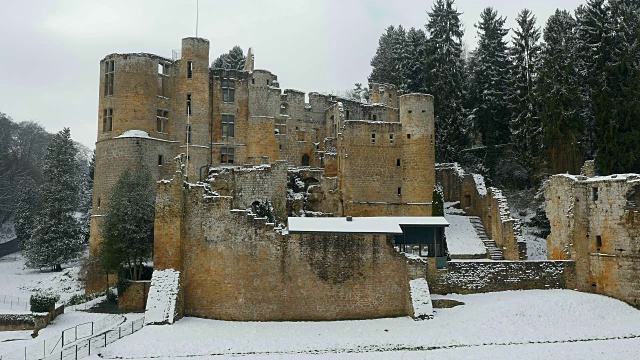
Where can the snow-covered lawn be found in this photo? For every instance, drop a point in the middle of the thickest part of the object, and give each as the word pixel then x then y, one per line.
pixel 517 324
pixel 462 238
pixel 17 281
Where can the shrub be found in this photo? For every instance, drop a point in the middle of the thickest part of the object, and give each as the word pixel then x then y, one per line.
pixel 43 301
pixel 111 296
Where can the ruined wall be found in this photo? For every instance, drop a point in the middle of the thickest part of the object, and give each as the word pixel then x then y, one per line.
pixel 249 184
pixel 236 267
pixel 470 277
pixel 487 203
pixel 596 223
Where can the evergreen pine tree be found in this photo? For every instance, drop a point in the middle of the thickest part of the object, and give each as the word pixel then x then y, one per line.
pixel 559 90
pixel 27 208
pixel 384 63
pixel 234 60
pixel 525 122
pixel 617 113
pixel 414 69
pixel 444 79
pixel 593 39
pixel 491 75
pixel 127 230
pixel 56 238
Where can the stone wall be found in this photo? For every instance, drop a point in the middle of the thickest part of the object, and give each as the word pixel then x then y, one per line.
pixel 236 267
pixel 487 203
pixel 596 223
pixel 135 297
pixel 250 184
pixel 469 277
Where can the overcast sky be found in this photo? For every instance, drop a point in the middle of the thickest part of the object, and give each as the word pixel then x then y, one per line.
pixel 50 50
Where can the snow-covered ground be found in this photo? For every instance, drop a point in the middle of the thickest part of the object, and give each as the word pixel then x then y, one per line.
pixel 17 281
pixel 462 238
pixel 506 325
pixel 523 205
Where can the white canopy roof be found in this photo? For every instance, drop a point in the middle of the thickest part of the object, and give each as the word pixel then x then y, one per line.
pixel 377 225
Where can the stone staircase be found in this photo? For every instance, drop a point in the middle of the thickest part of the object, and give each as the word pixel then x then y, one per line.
pixel 495 253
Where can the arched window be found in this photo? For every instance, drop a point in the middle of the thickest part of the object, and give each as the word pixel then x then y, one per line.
pixel 305 160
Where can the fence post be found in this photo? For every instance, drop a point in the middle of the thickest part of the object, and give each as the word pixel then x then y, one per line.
pixel 132 327
pixel 25 353
pixel 89 346
pixel 105 339
pixel 92 328
pixel 119 332
pixel 62 339
pixel 76 332
pixel 44 347
pixel 76 351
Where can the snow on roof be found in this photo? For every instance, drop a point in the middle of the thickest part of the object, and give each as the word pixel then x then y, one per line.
pixel 614 177
pixel 376 225
pixel 133 133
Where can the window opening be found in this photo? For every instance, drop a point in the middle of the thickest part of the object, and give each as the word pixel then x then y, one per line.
pixel 347 115
pixel 373 138
pixel 305 160
pixel 227 155
pixel 98 203
pixel 228 125
pixel 390 138
pixel 398 162
pixel 375 117
pixel 160 160
pixel 188 104
pixel 188 134
pixel 162 118
pixel 408 136
pixel 109 72
pixel 595 194
pixel 399 191
pixel 228 91
pixel 253 81
pixel 189 69
pixel 598 242
pixel 107 120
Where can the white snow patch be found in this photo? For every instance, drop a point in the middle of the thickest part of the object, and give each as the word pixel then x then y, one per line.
pixel 462 238
pixel 163 296
pixel 514 317
pixel 480 185
pixel 133 134
pixel 421 299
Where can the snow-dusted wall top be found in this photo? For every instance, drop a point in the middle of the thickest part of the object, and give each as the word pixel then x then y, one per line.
pixel 421 299
pixel 163 297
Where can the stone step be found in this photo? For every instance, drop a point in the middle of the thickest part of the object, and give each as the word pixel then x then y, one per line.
pixel 495 253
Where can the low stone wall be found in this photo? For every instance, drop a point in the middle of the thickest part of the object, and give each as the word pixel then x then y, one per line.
pixel 33 321
pixel 488 204
pixel 135 297
pixel 469 277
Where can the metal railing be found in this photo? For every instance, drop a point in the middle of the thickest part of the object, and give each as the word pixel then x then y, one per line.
pixel 68 336
pixel 91 345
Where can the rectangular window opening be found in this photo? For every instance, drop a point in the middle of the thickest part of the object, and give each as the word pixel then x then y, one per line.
pixel 162 118
pixel 398 162
pixel 595 194
pixel 399 191
pixel 408 136
pixel 373 138
pixel 160 160
pixel 107 120
pixel 390 138
pixel 108 77
pixel 228 91
pixel 598 242
pixel 188 104
pixel 189 69
pixel 228 125
pixel 227 155
pixel 346 116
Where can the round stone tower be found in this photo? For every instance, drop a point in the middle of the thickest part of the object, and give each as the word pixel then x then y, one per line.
pixel 418 153
pixel 133 132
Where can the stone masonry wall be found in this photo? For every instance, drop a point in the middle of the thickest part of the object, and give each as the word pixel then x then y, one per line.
pixel 236 267
pixel 249 184
pixel 487 203
pixel 469 277
pixel 596 223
